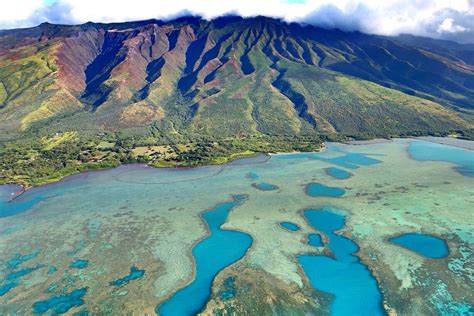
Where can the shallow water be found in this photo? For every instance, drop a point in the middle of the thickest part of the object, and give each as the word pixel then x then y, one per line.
pixel 265 186
pixel 420 150
pixel 426 245
pixel 59 304
pixel 20 258
pixel 135 273
pixel 79 264
pixel 141 229
pixel 338 173
pixel 251 175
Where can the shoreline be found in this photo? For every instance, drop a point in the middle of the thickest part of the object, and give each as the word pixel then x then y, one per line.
pixel 256 158
pixel 322 149
pixel 454 142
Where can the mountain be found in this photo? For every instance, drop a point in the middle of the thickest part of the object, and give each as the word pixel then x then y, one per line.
pixel 191 79
pixel 231 76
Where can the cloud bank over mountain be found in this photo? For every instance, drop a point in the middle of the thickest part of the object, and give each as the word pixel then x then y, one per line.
pixel 445 19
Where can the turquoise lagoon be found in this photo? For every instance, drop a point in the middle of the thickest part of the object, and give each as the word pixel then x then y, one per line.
pixel 192 230
pixel 354 288
pixel 315 189
pixel 426 245
pixel 220 249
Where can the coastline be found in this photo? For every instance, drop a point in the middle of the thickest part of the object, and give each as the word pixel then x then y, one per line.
pixel 321 149
pixel 23 188
pixel 256 157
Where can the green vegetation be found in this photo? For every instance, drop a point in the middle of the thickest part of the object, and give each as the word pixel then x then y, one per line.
pixel 31 162
pixel 219 91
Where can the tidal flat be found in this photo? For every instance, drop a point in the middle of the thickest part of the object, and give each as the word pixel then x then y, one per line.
pixel 132 238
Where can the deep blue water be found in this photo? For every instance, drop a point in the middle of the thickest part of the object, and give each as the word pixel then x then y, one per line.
pixel 265 186
pixel 230 247
pixel 337 173
pixel 315 240
pixel 60 303
pixel 344 276
pixel 420 150
pixel 426 245
pixel 79 264
pixel 7 286
pixel 290 226
pixel 316 189
pixel 134 273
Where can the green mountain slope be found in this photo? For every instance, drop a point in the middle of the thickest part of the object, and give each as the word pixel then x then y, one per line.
pixel 231 76
pixel 258 83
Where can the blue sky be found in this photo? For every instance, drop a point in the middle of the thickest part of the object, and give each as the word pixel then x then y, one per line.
pixel 448 19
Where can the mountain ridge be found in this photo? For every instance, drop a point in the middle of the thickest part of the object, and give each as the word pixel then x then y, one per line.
pixel 90 58
pixel 253 82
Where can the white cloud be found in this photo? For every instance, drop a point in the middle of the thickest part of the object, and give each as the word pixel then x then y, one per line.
pixel 436 18
pixel 113 10
pixel 448 26
pixel 17 11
